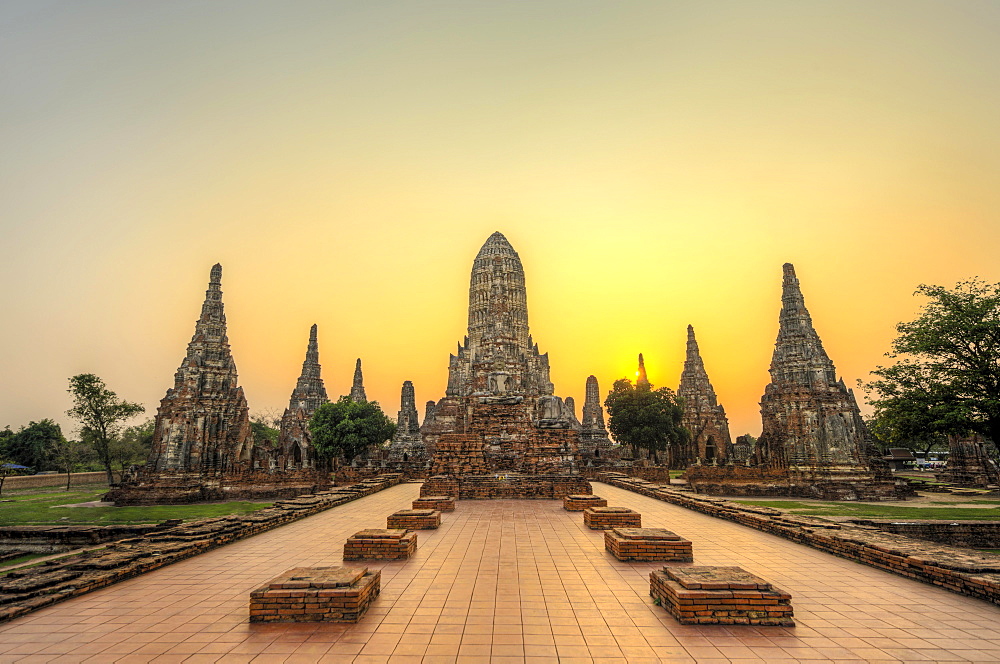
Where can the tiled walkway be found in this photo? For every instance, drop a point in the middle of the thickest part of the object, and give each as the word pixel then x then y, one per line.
pixel 507 581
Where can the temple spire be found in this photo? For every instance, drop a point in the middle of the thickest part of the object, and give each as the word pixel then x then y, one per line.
pixel 799 356
pixel 702 414
pixel 358 388
pixel 641 383
pixel 309 392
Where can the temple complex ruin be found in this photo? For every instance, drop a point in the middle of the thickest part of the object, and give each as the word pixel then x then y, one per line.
pixel 594 441
pixel 500 431
pixel 702 414
pixel 969 464
pixel 814 443
pixel 295 449
pixel 358 385
pixel 407 445
pixel 203 447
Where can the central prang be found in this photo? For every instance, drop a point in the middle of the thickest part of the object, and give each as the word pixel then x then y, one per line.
pixel 499 431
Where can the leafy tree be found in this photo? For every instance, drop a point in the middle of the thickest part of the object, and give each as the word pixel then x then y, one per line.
pixel 947 376
pixel 266 425
pixel 345 428
pixel 67 454
pixel 647 419
pixel 100 413
pixel 32 445
pixel 133 446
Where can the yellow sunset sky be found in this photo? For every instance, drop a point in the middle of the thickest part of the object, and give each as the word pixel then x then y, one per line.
pixel 653 163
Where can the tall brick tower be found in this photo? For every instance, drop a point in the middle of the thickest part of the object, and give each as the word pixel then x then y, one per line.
pixel 203 423
pixel 703 415
pixel 308 395
pixel 500 430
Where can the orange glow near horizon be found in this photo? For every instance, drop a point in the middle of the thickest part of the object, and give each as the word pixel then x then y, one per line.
pixel 654 165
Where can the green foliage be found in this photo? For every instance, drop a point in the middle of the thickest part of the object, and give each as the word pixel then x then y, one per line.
pixel 133 446
pixel 344 429
pixel 265 428
pixel 33 445
pixel 947 376
pixel 100 413
pixel 647 419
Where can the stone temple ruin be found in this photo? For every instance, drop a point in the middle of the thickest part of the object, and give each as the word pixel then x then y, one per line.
pixel 203 448
pixel 702 414
pixel 814 443
pixel 499 431
pixel 407 445
pixel 295 449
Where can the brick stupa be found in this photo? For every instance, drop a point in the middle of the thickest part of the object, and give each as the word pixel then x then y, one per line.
pixel 296 450
pixel 203 447
pixel 814 443
pixel 702 414
pixel 500 431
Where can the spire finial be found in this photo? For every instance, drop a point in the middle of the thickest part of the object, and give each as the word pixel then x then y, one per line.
pixel 358 388
pixel 642 382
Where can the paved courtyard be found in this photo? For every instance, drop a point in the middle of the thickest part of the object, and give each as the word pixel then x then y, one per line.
pixel 508 581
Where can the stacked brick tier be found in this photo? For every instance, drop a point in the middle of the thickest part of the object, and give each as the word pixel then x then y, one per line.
pixel 647 544
pixel 316 594
pixel 414 519
pixel 439 503
pixel 603 518
pixel 578 502
pixel 720 596
pixel 380 544
pixel 506 485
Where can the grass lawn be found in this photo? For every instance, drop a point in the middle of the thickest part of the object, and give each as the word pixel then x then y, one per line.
pixel 865 511
pixel 37 507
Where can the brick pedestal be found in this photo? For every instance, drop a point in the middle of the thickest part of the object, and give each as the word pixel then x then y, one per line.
pixel 647 544
pixel 316 594
pixel 380 544
pixel 439 503
pixel 414 519
pixel 720 596
pixel 602 518
pixel 579 502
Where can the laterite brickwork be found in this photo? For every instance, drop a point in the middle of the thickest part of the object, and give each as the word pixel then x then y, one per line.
pixel 720 596
pixel 647 544
pixel 578 502
pixel 414 520
pixel 602 518
pixel 316 594
pixel 380 544
pixel 439 503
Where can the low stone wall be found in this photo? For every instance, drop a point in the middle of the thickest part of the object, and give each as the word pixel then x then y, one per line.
pixel 964 571
pixel 27 537
pixel 54 479
pixel 23 591
pixel 973 534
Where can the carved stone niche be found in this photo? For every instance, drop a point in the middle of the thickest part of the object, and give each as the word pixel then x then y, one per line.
pixel 500 384
pixel 552 413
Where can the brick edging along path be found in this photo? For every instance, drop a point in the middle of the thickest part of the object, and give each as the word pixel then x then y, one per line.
pixel 964 571
pixel 23 591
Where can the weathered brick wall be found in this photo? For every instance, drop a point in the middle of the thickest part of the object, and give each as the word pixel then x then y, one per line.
pixel 965 571
pixel 56 479
pixel 974 534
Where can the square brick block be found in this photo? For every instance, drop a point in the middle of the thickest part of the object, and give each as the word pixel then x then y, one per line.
pixel 720 596
pixel 380 544
pixel 602 518
pixel 316 594
pixel 647 544
pixel 414 519
pixel 439 503
pixel 579 502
